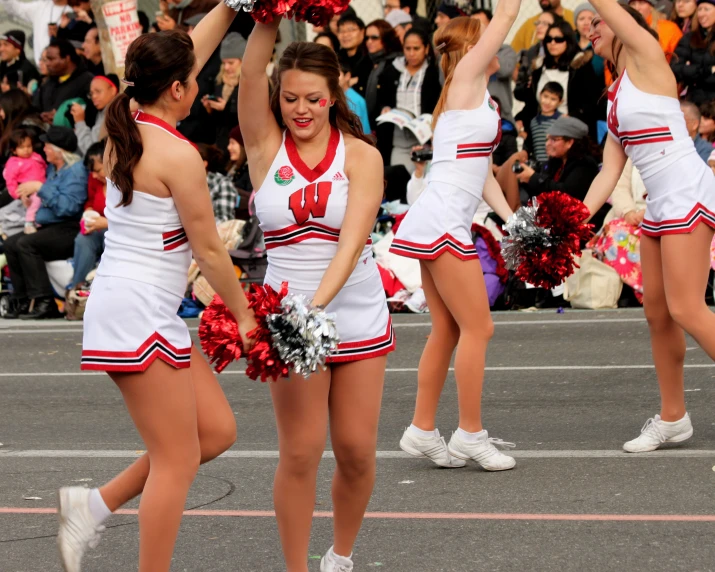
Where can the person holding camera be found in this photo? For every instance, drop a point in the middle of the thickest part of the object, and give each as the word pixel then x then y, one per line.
pixel 571 167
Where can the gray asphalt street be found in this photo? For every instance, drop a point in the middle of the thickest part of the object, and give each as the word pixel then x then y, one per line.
pixel 568 389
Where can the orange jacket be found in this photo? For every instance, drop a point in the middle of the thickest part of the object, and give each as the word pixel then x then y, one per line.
pixel 669 35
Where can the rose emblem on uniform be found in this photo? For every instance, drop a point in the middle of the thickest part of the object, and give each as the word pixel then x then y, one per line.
pixel 284 176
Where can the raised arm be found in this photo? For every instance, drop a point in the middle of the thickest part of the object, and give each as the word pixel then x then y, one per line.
pixel 210 32
pixel 475 63
pixel 261 134
pixel 640 42
pixel 614 160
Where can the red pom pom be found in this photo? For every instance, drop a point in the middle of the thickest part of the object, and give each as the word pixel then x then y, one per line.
pixel 221 341
pixel 219 337
pixel 564 216
pixel 319 12
pixel 265 10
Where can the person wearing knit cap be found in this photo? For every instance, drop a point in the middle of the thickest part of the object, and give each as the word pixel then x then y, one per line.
pixel 694 59
pixel 669 34
pixel 446 12
pixel 583 14
pixel 222 103
pixel 400 21
pixel 15 69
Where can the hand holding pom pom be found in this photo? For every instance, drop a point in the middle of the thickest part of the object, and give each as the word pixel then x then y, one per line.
pixel 290 335
pixel 316 12
pixel 543 238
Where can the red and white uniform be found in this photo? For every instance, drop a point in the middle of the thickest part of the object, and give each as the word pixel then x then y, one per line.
pixel 651 129
pixel 301 212
pixel 131 314
pixel 441 219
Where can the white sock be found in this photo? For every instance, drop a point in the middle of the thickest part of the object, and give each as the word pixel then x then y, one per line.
pixel 98 508
pixel 421 433
pixel 340 559
pixel 673 423
pixel 470 437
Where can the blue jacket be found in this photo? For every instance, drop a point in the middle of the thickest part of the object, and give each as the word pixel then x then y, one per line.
pixel 63 194
pixel 703 147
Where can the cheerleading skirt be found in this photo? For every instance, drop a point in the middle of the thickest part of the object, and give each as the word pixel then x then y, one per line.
pixel 679 198
pixel 361 316
pixel 129 324
pixel 439 222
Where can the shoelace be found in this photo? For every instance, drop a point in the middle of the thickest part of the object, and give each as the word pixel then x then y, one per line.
pixel 651 429
pixel 501 443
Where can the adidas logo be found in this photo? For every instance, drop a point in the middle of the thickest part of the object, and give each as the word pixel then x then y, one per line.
pixel 339 177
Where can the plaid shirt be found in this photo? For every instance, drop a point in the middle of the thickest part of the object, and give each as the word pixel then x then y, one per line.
pixel 224 196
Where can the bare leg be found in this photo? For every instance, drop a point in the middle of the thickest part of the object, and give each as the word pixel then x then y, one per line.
pixel 355 399
pixel 686 266
pixel 216 428
pixel 666 336
pixel 162 405
pixel 434 363
pixel 461 285
pixel 301 408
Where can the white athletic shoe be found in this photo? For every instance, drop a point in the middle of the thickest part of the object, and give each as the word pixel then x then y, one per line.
pixel 655 432
pixel 78 529
pixel 331 562
pixel 434 448
pixel 484 452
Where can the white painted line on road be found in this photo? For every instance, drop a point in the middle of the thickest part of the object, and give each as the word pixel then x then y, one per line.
pixel 526 454
pixel 555 322
pixel 395 370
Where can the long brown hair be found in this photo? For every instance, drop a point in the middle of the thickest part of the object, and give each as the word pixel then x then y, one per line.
pixel 153 63
pixel 617 45
pixel 453 41
pixel 320 60
pixel 390 41
pixel 702 39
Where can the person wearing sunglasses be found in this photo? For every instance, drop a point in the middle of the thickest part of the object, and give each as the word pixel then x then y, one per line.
pixel 565 64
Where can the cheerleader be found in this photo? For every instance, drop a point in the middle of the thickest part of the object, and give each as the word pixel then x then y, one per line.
pixel 159 211
pixel 437 232
pixel 646 124
pixel 320 185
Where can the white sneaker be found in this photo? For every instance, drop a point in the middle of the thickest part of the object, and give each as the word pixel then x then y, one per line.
pixel 78 529
pixel 655 432
pixel 434 448
pixel 417 302
pixel 331 562
pixel 484 452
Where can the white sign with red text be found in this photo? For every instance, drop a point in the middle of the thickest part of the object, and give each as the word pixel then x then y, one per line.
pixel 123 26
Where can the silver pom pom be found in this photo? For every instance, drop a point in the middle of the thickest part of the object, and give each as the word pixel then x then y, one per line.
pixel 303 336
pixel 245 5
pixel 523 235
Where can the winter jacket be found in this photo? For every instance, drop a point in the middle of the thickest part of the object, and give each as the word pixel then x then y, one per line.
pixel 52 93
pixel 63 195
pixel 86 136
pixel 584 93
pixel 18 170
pixel 20 71
pixel 693 67
pixel 500 83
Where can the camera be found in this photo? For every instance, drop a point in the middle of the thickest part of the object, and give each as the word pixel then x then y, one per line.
pixel 518 167
pixel 422 155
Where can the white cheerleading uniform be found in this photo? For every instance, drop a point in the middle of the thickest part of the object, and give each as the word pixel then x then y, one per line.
pixel 301 211
pixel 131 315
pixel 440 221
pixel 651 129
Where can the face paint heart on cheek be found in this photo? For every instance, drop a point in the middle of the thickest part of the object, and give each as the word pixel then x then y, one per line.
pixel 323 102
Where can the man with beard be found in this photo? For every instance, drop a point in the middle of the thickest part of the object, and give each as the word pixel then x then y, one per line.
pixel 526 35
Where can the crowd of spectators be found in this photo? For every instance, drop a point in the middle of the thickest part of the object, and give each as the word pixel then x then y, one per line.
pixel 550 89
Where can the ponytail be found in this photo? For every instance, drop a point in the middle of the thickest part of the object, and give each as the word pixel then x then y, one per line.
pixel 126 149
pixel 453 41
